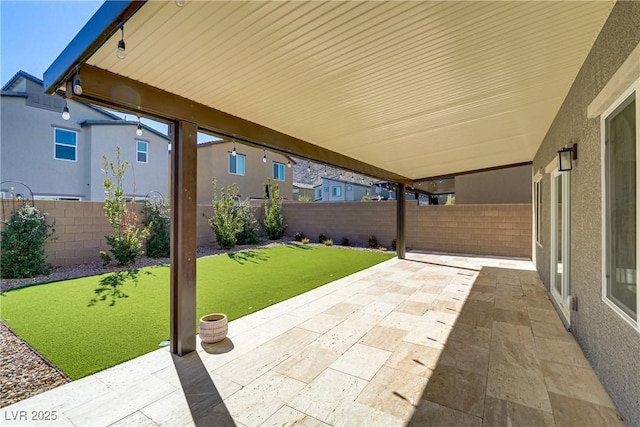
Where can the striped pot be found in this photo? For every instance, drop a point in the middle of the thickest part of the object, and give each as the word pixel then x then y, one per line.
pixel 213 327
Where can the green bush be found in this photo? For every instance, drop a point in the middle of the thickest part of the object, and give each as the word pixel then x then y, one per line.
pixel 273 221
pixel 249 233
pixel 226 223
pixel 157 219
pixel 126 240
pixel 305 240
pixel 328 242
pixel 321 238
pixel 22 250
pixel 299 236
pixel 344 241
pixel 373 242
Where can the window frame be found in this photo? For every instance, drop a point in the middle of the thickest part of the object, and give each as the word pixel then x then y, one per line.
pixel 56 143
pixel 333 192
pixel 279 166
pixel 537 209
pixel 634 90
pixel 244 164
pixel 146 153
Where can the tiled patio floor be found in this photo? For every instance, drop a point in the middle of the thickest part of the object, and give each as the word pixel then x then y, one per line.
pixel 432 340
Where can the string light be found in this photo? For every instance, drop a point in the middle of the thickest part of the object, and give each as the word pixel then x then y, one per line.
pixel 139 130
pixel 77 84
pixel 325 171
pixel 65 110
pixel 309 167
pixel 234 152
pixel 289 164
pixel 264 157
pixel 120 52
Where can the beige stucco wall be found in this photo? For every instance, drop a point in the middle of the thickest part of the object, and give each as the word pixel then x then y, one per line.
pixel 213 161
pixel 610 344
pixel 510 185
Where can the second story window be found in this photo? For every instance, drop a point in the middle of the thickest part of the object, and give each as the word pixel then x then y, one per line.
pixel 65 144
pixel 336 191
pixel 142 150
pixel 278 171
pixel 236 164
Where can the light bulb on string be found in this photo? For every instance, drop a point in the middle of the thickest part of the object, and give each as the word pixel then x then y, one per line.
pixel 139 129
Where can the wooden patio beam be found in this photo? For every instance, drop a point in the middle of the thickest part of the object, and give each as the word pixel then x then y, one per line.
pixel 111 90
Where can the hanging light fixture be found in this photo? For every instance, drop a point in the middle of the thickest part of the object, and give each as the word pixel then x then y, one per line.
pixel 65 110
pixel 120 52
pixel 139 130
pixel 264 157
pixel 325 171
pixel 309 167
pixel 181 3
pixel 289 164
pixel 77 84
pixel 234 152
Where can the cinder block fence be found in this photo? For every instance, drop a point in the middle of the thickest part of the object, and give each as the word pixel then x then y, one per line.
pixel 502 230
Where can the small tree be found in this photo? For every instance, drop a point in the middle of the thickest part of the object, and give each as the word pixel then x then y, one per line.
pixel 157 219
pixel 126 240
pixel 249 233
pixel 273 222
pixel 23 239
pixel 226 222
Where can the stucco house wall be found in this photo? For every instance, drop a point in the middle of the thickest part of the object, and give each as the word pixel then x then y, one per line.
pixel 611 345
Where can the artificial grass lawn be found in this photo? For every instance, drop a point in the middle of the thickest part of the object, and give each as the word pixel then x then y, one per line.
pixel 89 324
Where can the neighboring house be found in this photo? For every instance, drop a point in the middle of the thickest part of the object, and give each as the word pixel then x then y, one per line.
pixel 246 168
pixel 62 159
pixel 303 190
pixel 586 222
pixel 334 190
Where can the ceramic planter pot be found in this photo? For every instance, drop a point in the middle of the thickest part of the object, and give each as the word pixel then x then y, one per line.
pixel 213 327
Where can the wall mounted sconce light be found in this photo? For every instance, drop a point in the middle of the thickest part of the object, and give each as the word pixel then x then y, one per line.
pixel 566 157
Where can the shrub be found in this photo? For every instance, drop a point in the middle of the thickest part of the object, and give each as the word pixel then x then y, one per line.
pixel 249 233
pixel 305 199
pixel 344 241
pixel 373 242
pixel 451 201
pixel 23 239
pixel 305 240
pixel 322 238
pixel 393 243
pixel 273 222
pixel 328 242
pixel 226 222
pixel 157 219
pixel 299 236
pixel 126 240
pixel 366 198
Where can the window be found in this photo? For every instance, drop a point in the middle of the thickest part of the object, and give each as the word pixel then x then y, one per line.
pixel 620 195
pixel 142 150
pixel 537 194
pixel 318 193
pixel 278 171
pixel 65 144
pixel 349 188
pixel 336 191
pixel 236 164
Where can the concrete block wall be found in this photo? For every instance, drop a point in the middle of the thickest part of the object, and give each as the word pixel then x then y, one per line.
pixel 499 230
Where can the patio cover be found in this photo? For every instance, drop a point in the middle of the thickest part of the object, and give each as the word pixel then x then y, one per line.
pixel 401 91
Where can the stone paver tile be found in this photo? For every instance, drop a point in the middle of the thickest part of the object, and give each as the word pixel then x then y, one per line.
pixel 561 351
pixel 457 389
pixel 349 414
pixel 509 303
pixel 513 383
pixel 319 305
pixel 223 385
pixel 137 419
pixel 432 414
pixel 321 323
pixel 382 308
pixel 248 367
pixel 447 317
pixel 474 335
pixel 308 364
pixel 342 337
pixel 466 357
pixel 402 290
pixel 513 332
pixel 171 410
pixel 481 296
pixel 404 321
pixel 122 375
pixel 289 417
pixel 429 333
pixel 322 396
pixel 511 316
pixel 552 331
pixel 545 316
pixel 115 405
pixel 476 318
pixel 423 296
pixel 258 401
pixel 394 392
pixel 539 302
pixel 361 361
pixel 413 307
pixel 513 345
pixel 414 359
pixel 570 412
pixel 572 381
pixel 450 307
pixel 502 413
pixel 361 321
pixel 384 337
pixel 343 309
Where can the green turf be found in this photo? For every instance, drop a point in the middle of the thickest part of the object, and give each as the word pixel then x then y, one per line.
pixel 88 324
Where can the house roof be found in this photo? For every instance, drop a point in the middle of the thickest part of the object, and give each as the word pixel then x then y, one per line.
pixel 412 89
pixel 7 90
pixel 123 123
pixel 301 185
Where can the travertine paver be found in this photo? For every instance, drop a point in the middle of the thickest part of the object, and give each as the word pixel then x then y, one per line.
pixel 431 340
